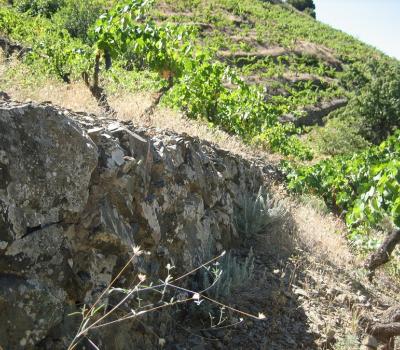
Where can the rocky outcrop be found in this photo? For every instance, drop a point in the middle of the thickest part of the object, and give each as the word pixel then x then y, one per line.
pixel 77 192
pixel 312 115
pixel 11 48
pixel 300 49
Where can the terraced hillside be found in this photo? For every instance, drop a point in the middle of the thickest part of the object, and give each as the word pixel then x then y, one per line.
pixel 262 70
pixel 335 93
pixel 305 69
pixel 257 77
pixel 299 69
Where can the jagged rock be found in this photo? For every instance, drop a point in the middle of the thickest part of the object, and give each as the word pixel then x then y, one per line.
pixel 4 95
pixel 76 192
pixel 300 48
pixel 314 114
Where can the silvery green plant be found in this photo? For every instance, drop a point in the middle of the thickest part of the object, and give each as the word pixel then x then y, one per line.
pixel 233 274
pixel 257 213
pixel 225 275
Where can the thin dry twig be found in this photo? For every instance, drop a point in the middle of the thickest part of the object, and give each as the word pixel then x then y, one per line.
pixel 85 327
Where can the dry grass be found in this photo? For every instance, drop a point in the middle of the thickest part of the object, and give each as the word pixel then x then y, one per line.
pixel 321 234
pixel 18 81
pixel 132 106
pixel 74 96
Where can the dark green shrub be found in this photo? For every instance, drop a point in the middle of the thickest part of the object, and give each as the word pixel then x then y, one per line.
pixel 354 77
pixel 307 6
pixel 378 104
pixel 77 16
pixel 39 7
pixel 339 136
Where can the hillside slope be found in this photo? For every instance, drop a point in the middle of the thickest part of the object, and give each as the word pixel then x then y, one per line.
pixel 315 108
pixel 260 70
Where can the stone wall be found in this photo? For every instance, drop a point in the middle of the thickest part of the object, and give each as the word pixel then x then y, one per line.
pixel 78 191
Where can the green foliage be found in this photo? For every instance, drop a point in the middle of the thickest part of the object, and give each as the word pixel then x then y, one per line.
pixel 60 54
pixel 39 7
pixel 365 186
pixel 338 137
pixel 354 77
pixel 163 48
pixel 307 6
pixel 53 49
pixel 21 27
pixel 77 16
pixel 203 91
pixel 282 138
pixel 378 103
pixel 214 91
pixel 200 88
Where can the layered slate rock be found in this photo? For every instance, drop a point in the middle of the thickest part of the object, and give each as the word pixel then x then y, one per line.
pixel 77 192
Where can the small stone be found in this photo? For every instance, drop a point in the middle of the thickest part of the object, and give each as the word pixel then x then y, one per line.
pixel 218 345
pixel 362 299
pixel 94 133
pixel 130 162
pixel 198 347
pixel 330 335
pixel 370 341
pixel 341 298
pixel 250 323
pixel 302 292
pixel 332 292
pixel 113 126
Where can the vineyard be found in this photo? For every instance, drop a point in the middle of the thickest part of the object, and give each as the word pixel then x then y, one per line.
pixel 364 186
pixel 278 79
